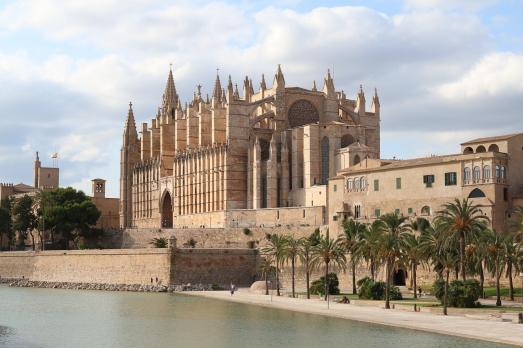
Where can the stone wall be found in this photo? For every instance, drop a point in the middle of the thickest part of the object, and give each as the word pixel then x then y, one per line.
pixel 207 237
pixel 133 266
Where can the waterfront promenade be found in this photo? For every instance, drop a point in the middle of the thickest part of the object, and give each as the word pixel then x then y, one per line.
pixel 489 330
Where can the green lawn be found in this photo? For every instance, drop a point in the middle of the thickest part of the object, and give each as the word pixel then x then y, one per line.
pixel 491 291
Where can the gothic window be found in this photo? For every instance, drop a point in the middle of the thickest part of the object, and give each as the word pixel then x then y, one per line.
pixel 346 140
pixel 265 149
pixel 363 183
pixel 476 193
pixel 503 173
pixel 477 173
pixel 324 160
pixel 486 172
pixel 498 172
pixel 357 184
pixel 302 112
pixel 349 185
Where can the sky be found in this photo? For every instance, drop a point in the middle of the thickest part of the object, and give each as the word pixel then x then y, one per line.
pixel 446 70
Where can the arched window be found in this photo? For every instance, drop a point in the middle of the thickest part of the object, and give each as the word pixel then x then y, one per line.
pixel 324 160
pixel 349 184
pixel 493 148
pixel 503 173
pixel 356 160
pixel 466 174
pixel 302 112
pixel 477 173
pixel 363 183
pixel 476 193
pixel 486 172
pixel 346 140
pixel 425 210
pixel 468 150
pixel 357 184
pixel 498 172
pixel 480 149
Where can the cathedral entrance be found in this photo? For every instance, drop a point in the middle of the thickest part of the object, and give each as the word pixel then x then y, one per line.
pixel 167 211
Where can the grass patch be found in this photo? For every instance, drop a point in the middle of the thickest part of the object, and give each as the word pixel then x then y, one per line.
pixel 491 291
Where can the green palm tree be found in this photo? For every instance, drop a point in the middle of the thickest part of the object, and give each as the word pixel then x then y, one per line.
pixel 461 220
pixel 515 224
pixel 290 253
pixel 448 260
pixel 267 269
pixel 512 254
pixel 392 242
pixel 329 252
pixel 352 232
pixel 496 259
pixel 368 246
pixel 305 255
pixel 275 248
pixel 414 255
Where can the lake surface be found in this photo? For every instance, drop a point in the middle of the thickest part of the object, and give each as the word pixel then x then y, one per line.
pixel 75 318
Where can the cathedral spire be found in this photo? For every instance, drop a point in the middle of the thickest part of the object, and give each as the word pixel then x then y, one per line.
pixel 130 132
pixel 217 92
pixel 328 86
pixel 279 80
pixel 170 97
pixel 375 107
pixel 360 102
pixel 236 94
pixel 230 90
pixel 314 89
pixel 246 89
pixel 263 85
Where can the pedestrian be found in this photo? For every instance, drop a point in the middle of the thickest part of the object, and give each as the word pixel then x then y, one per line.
pixel 156 280
pixel 151 280
pixel 232 288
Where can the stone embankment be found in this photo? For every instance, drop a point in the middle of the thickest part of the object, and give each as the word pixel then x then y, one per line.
pixel 25 283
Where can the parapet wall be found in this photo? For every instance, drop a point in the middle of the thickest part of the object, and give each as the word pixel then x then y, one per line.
pixel 133 266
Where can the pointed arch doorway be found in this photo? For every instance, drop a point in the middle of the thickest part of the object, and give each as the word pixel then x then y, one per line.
pixel 167 211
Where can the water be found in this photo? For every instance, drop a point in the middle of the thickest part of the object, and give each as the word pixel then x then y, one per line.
pixel 72 318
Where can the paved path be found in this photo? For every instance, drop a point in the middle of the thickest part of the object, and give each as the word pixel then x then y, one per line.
pixel 496 331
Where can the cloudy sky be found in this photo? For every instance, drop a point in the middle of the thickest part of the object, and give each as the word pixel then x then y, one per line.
pixel 446 70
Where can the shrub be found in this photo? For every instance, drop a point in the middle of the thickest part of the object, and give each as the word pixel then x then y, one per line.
pixel 191 243
pixel 159 242
pixel 318 286
pixel 372 290
pixel 461 294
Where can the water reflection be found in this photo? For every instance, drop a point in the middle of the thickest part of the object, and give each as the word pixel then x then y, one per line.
pixel 67 318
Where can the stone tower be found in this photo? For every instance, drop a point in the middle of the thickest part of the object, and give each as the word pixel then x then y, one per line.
pixel 129 156
pixel 36 168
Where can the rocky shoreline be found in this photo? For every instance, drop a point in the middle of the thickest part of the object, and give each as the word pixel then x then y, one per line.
pixel 25 283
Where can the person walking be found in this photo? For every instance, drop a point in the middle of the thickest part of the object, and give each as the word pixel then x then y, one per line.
pixel 232 288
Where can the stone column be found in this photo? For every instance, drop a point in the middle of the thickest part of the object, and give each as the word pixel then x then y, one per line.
pixel 284 181
pixel 256 175
pixel 249 174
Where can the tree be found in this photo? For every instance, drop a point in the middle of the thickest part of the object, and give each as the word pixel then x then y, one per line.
pixel 267 269
pixel 368 246
pixel 24 218
pixel 391 245
pixel 70 213
pixel 329 251
pixel 352 232
pixel 275 248
pixel 305 255
pixel 448 260
pixel 496 259
pixel 515 224
pixel 414 254
pixel 160 242
pixel 291 253
pixel 6 222
pixel 512 254
pixel 461 220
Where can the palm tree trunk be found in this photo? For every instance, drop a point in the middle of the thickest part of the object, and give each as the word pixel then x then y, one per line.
pixel 266 284
pixel 462 254
pixel 353 276
pixel 498 291
pixel 481 279
pixel 32 240
pixel 510 283
pixel 307 280
pixel 387 290
pixel 326 280
pixel 277 279
pixel 446 293
pixel 292 270
pixel 414 280
pixel 372 269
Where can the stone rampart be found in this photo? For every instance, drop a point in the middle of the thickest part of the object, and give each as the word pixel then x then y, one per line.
pixel 133 266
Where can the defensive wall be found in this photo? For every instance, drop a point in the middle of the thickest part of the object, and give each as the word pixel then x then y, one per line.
pixel 134 266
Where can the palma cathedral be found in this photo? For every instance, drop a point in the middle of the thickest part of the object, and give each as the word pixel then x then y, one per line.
pixel 251 159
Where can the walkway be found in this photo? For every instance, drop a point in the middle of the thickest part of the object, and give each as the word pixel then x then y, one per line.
pixel 495 331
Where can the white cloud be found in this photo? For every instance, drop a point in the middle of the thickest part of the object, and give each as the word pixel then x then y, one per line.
pixel 470 5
